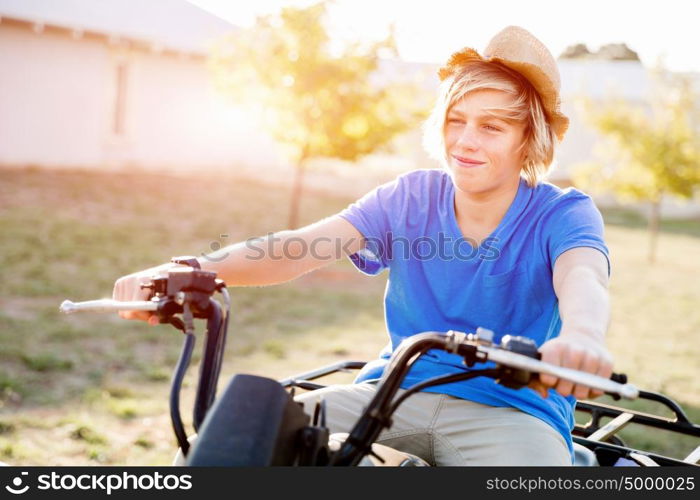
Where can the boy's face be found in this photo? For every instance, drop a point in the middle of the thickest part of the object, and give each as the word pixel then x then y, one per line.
pixel 483 151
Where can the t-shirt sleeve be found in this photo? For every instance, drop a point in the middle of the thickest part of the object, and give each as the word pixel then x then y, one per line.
pixel 576 222
pixel 371 215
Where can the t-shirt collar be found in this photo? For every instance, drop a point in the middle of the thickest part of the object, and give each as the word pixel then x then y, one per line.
pixel 517 207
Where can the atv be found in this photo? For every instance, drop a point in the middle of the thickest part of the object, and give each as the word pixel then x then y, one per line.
pixel 256 422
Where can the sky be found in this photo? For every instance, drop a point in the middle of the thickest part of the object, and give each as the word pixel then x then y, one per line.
pixel 430 30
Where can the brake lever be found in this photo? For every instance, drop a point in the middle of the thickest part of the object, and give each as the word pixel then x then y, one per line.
pixel 177 323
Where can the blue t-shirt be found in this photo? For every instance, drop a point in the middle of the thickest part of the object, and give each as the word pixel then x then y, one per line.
pixel 439 281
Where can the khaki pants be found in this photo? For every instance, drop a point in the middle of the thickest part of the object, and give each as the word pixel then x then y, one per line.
pixel 444 430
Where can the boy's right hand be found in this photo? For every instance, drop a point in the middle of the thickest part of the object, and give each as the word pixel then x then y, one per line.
pixel 128 288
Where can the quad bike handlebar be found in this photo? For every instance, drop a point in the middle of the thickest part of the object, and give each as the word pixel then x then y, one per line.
pixel 184 294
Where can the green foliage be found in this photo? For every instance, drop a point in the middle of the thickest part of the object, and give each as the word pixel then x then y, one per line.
pixel 46 363
pixel 97 456
pixel 156 374
pixel 144 443
pixel 274 348
pixel 10 450
pixel 318 101
pixel 126 409
pixel 6 427
pixel 10 388
pixel 656 150
pixel 88 434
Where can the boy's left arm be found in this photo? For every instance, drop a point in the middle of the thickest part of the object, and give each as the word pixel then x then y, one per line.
pixel 580 281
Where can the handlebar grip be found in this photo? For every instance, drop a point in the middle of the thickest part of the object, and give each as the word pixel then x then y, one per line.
pixel 107 305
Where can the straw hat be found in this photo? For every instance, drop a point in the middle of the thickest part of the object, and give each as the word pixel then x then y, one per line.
pixel 520 51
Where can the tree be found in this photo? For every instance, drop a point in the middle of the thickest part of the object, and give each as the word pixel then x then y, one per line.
pixel 317 101
pixel 656 151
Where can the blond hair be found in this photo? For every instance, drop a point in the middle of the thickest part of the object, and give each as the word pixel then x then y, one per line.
pixel 540 140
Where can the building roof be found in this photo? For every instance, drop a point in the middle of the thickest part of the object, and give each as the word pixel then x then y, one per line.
pixel 173 24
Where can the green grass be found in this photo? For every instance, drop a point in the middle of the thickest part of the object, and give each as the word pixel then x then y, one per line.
pixel 621 216
pixel 88 389
pixel 87 434
pixel 46 363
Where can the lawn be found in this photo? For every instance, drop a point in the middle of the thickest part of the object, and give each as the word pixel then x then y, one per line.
pixel 92 389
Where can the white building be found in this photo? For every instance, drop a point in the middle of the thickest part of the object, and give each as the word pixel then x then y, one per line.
pixel 117 83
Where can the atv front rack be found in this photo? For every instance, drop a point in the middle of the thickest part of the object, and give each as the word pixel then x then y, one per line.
pixel 608 446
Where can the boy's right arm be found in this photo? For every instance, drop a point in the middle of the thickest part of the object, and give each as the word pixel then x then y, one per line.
pixel 268 260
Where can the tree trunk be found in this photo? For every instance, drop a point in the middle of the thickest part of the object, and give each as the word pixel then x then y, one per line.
pixel 297 190
pixel 654 217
